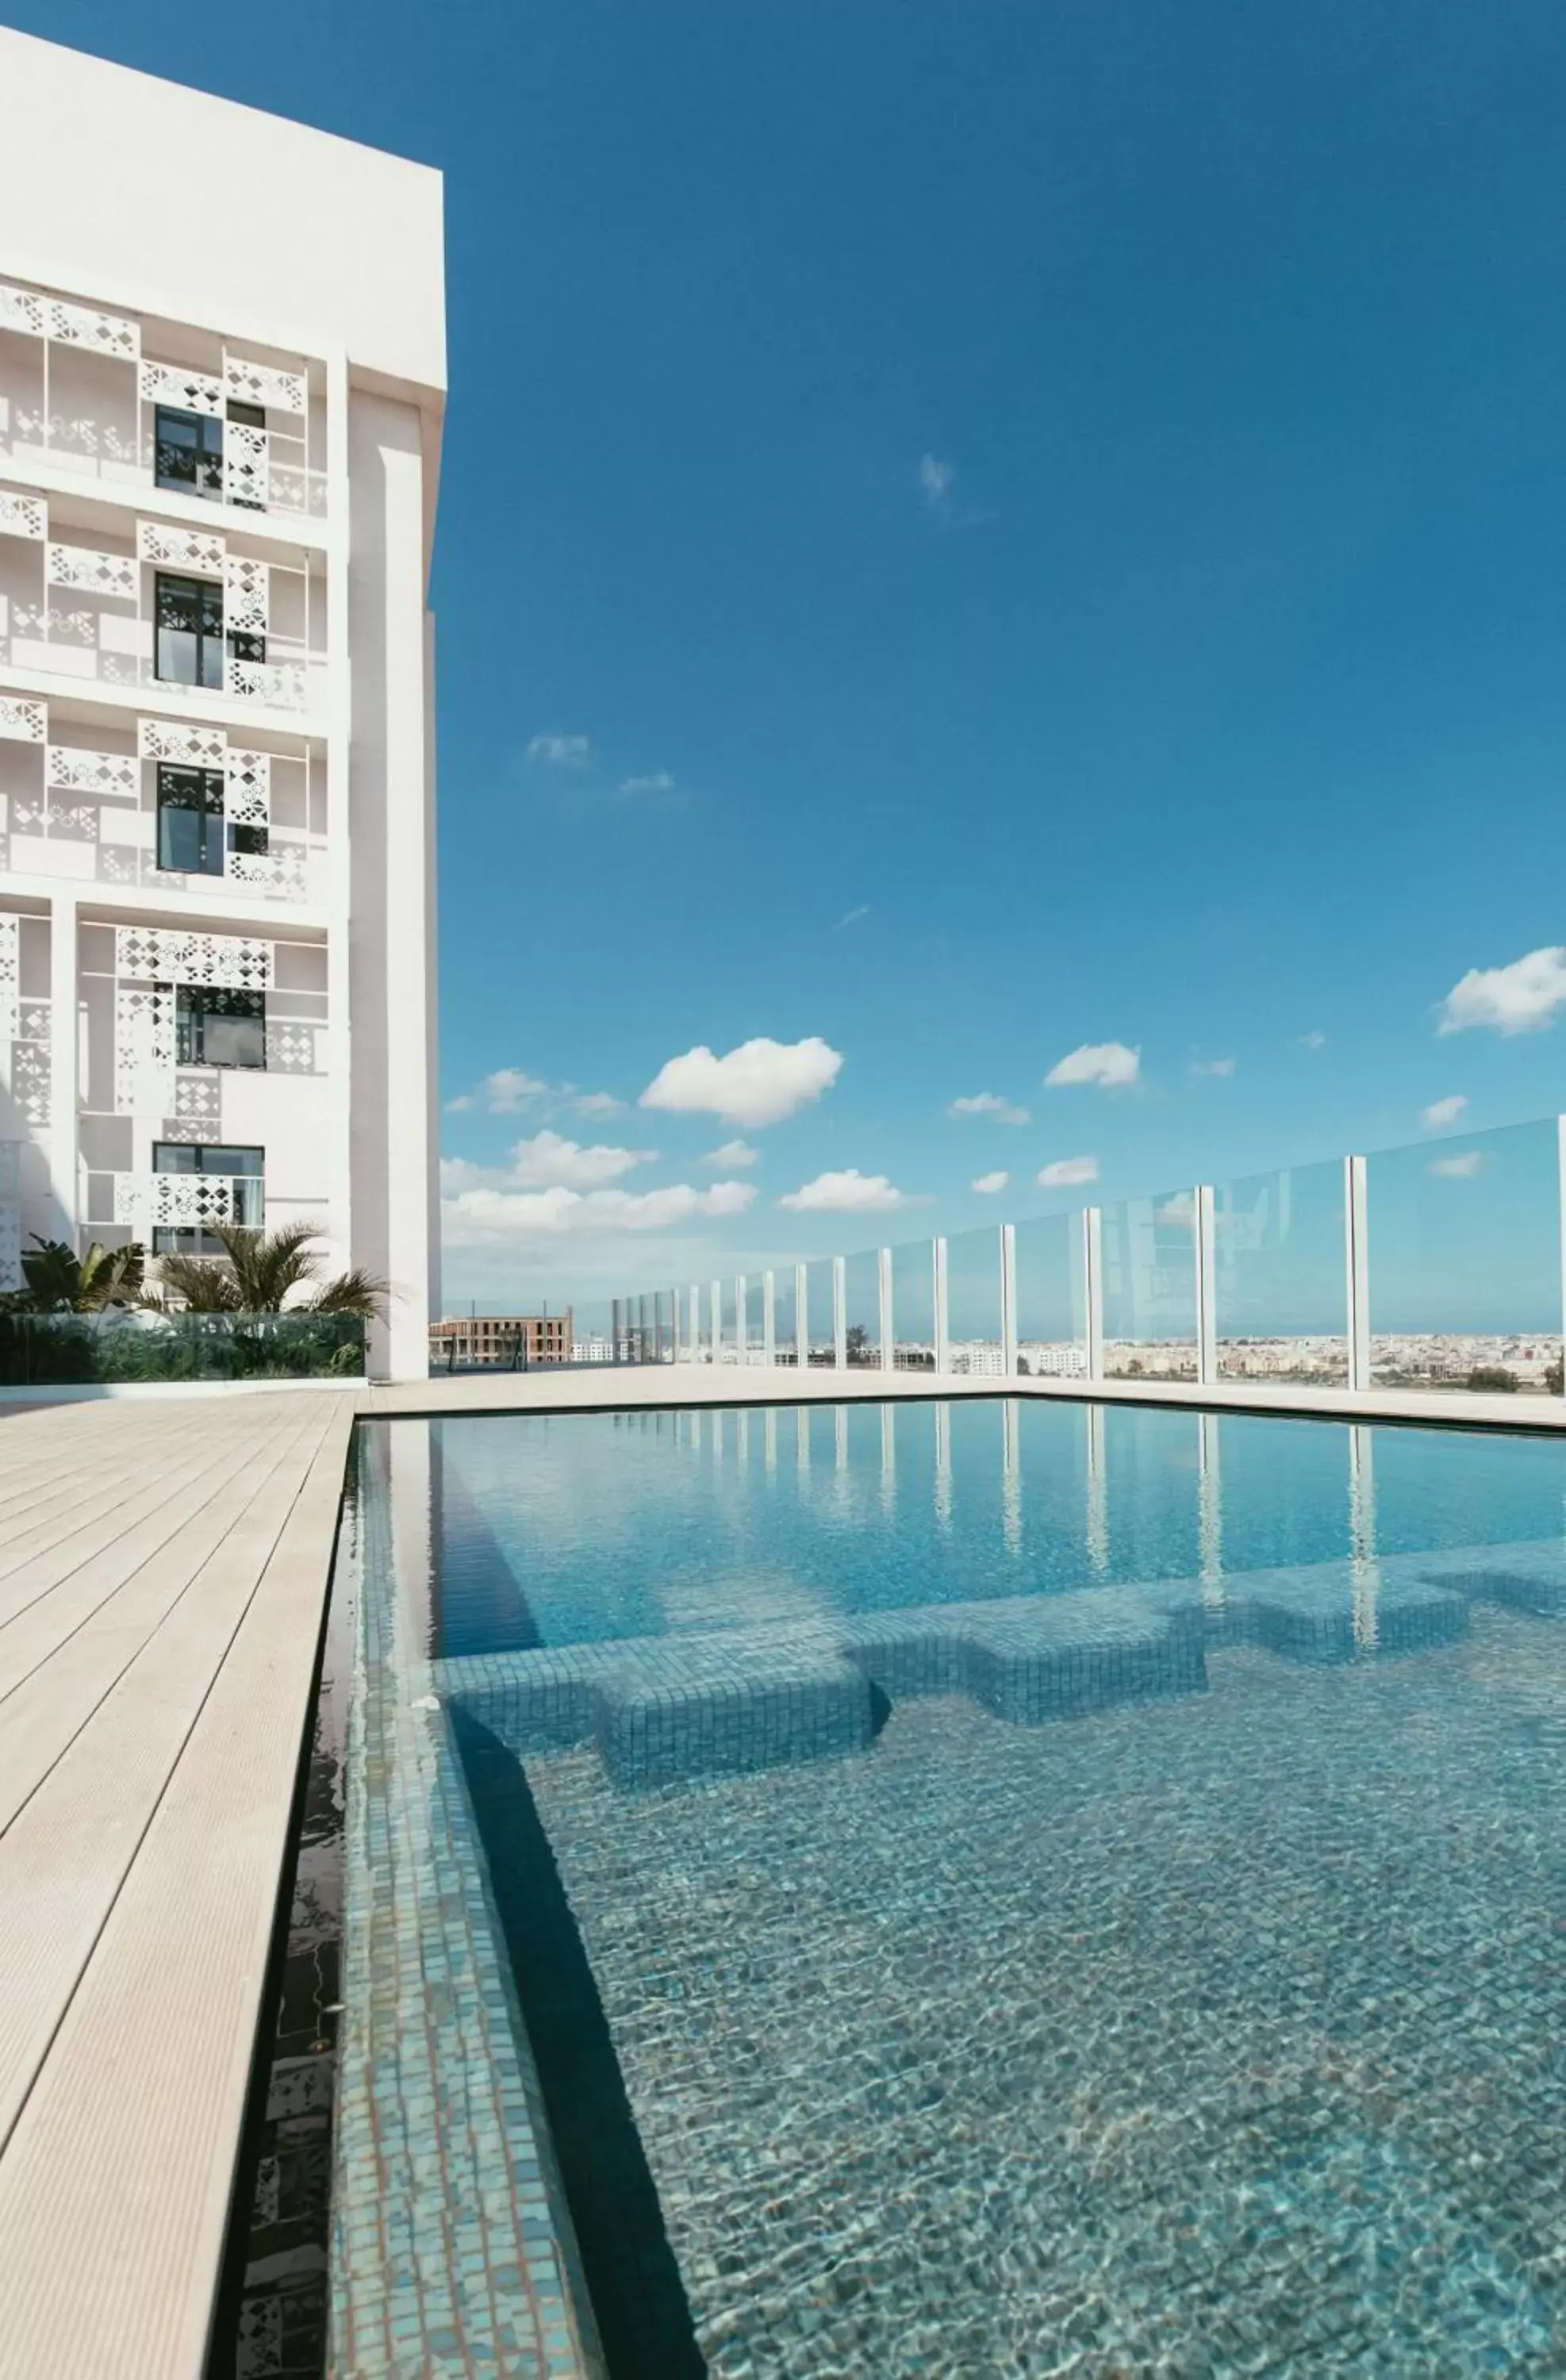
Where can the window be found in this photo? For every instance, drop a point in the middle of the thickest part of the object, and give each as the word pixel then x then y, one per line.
pixel 253 416
pixel 189 612
pixel 193 835
pixel 244 1166
pixel 188 452
pixel 214 1026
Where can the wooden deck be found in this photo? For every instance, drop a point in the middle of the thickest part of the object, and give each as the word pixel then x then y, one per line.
pixel 162 1576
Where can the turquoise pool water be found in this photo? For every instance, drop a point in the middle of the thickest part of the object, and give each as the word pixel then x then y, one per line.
pixel 1025 1888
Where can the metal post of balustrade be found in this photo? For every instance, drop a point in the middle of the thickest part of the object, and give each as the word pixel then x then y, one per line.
pixel 1207 1285
pixel 1092 1288
pixel 840 1312
pixel 942 1331
pixel 1009 1300
pixel 1356 1249
pixel 883 1277
pixel 1561 1144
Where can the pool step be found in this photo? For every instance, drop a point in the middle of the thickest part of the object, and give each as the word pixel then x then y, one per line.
pixel 662 1709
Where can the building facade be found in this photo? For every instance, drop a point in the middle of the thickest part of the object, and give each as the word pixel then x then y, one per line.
pixel 222 385
pixel 507 1341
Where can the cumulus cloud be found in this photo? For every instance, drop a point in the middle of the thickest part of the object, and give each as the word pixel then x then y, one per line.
pixel 1202 1066
pixel 462 1103
pixel 734 1153
pixel 508 1088
pixel 1066 1172
pixel 1180 1209
pixel 593 1103
pixel 989 1103
pixel 561 751
pixel 847 1193
pixel 1461 1168
pixel 1109 1064
pixel 1442 1111
pixel 486 1215
pixel 760 1083
pixel 657 780
pixel 987 1184
pixel 550 1161
pixel 1522 998
pixel 1314 1040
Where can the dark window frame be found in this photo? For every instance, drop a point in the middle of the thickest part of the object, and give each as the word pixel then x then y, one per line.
pixel 189 1157
pixel 200 601
pixel 176 433
pixel 197 1004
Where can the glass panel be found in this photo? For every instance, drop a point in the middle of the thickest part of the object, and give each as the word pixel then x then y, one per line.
pixel 1051 1298
pixel 1280 1275
pixel 819 1325
pixel 1464 1262
pixel 1150 1260
pixel 728 1350
pixel 755 1319
pixel 863 1306
pixel 973 1301
pixel 784 1318
pixel 913 1306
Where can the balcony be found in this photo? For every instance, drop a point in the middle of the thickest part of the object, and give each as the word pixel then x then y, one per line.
pixel 77 394
pixel 75 607
pixel 188 1202
pixel 91 812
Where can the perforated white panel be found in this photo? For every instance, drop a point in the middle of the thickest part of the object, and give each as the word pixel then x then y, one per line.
pixel 244 464
pixel 262 384
pixel 280 683
pixel 192 392
pixel 22 720
pixel 144 1024
pixel 247 793
pixel 176 740
pixel 163 954
pixel 84 326
pixel 23 515
pixel 113 776
pixel 245 588
pixel 22 309
pixel 182 548
pixel 94 573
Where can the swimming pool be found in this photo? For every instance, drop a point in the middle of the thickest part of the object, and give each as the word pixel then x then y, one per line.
pixel 1024 1887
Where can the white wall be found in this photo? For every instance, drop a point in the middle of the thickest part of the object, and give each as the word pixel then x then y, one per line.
pixel 98 162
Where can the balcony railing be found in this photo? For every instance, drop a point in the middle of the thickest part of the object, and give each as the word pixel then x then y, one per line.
pixel 1433 1267
pixel 105 425
pixel 151 1202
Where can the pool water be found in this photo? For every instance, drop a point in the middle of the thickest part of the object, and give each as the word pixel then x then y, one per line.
pixel 1023 1889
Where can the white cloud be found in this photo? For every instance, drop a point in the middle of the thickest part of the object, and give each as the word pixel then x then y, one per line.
pixel 458 1105
pixel 550 1161
pixel 1109 1064
pixel 1442 1111
pixel 1201 1066
pixel 987 1184
pixel 1066 1172
pixel 936 480
pixel 852 916
pixel 989 1103
pixel 657 780
pixel 508 1088
pixel 846 1193
pixel 760 1083
pixel 734 1153
pixel 1457 1169
pixel 1315 1041
pixel 561 751
pixel 1180 1209
pixel 1522 998
pixel 489 1216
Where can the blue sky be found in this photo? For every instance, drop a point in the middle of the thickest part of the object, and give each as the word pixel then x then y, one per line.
pixel 970 533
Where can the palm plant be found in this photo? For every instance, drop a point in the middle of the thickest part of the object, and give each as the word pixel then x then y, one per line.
pixel 59 1281
pixel 267 1272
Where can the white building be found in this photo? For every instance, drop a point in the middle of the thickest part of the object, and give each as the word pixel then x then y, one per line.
pixel 222 381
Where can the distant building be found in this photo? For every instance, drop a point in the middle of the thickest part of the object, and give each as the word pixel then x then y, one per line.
pixel 501 1339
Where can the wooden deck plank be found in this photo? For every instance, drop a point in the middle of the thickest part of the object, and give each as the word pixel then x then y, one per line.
pixel 84 1656
pixel 66 1855
pixel 125 2146
pixel 29 1635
